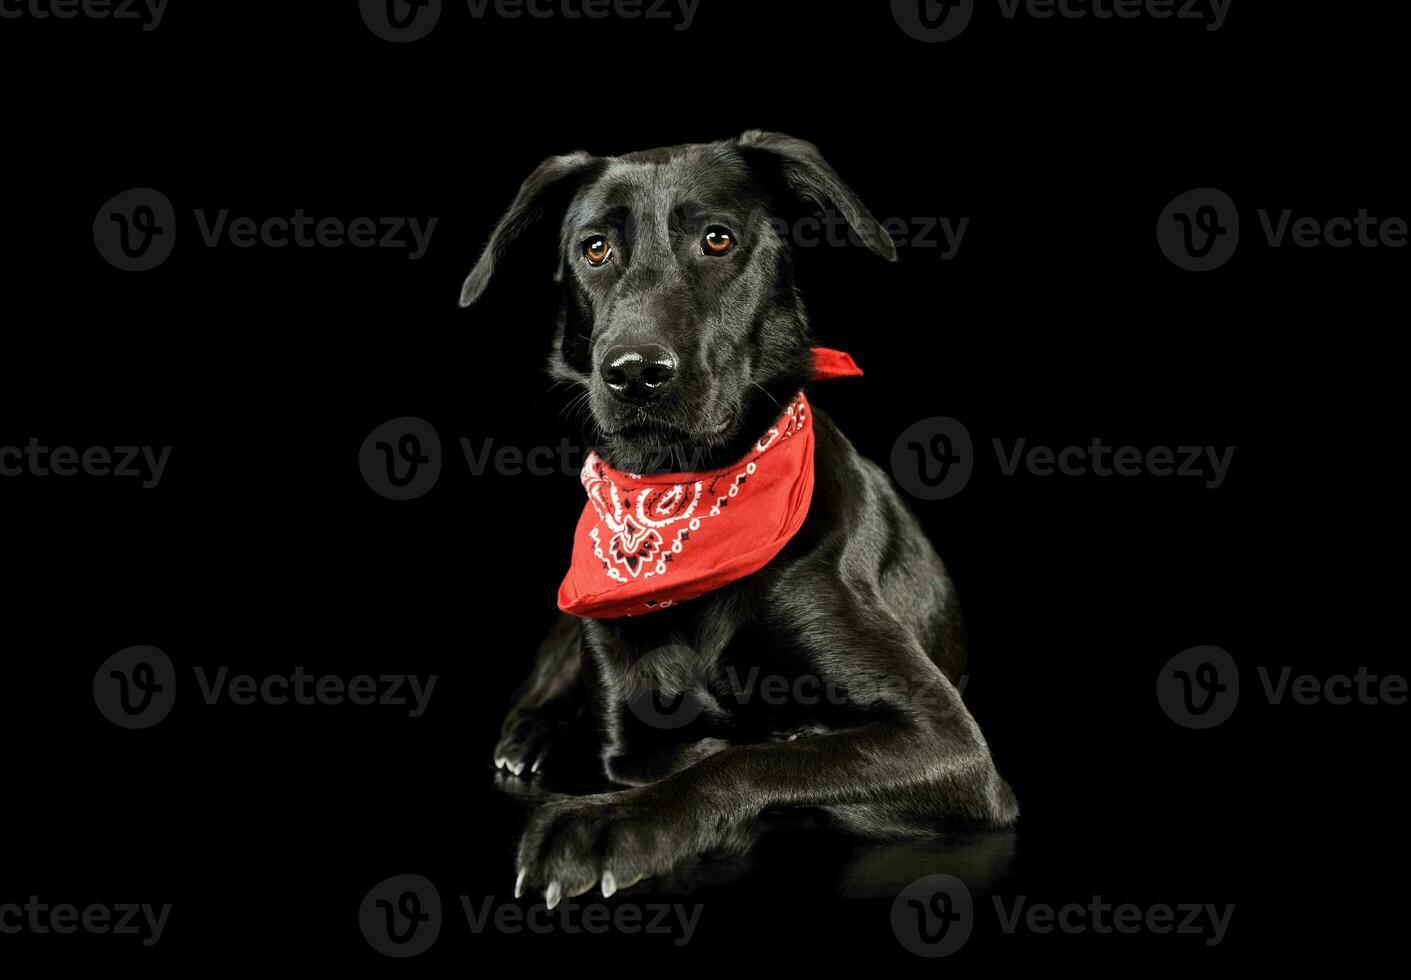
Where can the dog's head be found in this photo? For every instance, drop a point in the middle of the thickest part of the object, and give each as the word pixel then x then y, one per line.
pixel 678 313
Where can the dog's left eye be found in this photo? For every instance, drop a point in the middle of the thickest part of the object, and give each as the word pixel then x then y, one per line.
pixel 597 250
pixel 717 241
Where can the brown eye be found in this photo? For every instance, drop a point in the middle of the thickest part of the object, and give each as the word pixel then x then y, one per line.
pixel 717 241
pixel 597 250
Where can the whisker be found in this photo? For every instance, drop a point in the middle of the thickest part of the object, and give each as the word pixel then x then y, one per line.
pixel 768 395
pixel 551 389
pixel 574 404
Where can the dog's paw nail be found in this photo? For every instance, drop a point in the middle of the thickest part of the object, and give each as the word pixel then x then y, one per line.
pixel 519 883
pixel 609 884
pixel 552 896
pixel 517 768
pixel 537 762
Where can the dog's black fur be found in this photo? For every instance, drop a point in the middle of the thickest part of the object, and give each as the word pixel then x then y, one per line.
pixel 855 618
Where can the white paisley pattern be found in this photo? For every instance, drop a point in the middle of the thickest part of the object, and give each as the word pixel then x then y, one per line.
pixel 647 524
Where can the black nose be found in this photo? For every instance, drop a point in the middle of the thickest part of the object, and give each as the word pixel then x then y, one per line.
pixel 638 374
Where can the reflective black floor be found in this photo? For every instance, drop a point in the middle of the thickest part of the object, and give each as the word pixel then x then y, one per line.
pixel 804 851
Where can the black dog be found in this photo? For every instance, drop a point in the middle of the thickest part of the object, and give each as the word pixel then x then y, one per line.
pixel 680 321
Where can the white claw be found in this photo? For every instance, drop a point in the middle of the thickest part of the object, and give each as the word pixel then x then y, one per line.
pixel 609 884
pixel 552 896
pixel 517 768
pixel 519 883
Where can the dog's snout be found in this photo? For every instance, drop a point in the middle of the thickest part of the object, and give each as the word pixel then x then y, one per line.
pixel 638 373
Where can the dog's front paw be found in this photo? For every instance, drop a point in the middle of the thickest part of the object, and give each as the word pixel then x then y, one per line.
pixel 525 742
pixel 618 839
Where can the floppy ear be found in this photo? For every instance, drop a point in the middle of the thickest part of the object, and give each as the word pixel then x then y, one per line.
pixel 800 169
pixel 545 194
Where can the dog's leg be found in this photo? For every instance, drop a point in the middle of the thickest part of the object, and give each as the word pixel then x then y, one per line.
pixel 552 702
pixel 921 766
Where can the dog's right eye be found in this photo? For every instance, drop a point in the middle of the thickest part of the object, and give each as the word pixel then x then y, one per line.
pixel 597 251
pixel 717 241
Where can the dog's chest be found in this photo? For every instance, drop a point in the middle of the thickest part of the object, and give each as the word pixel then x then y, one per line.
pixel 713 671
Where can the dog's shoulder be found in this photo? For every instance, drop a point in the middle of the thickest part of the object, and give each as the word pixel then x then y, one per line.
pixel 851 491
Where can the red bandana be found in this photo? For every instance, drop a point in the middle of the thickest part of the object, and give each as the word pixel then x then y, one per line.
pixel 648 542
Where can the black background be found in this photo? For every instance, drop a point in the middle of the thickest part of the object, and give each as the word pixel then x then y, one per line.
pixel 1059 320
